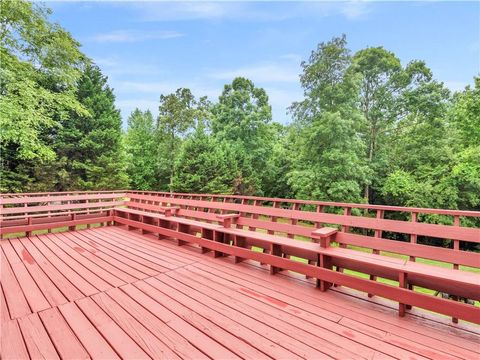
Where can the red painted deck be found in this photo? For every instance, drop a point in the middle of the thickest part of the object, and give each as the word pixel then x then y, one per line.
pixel 108 293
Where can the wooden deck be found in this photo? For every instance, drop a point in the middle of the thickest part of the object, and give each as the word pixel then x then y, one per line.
pixel 111 293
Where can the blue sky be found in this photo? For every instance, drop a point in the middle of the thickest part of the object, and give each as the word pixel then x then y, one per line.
pixel 150 48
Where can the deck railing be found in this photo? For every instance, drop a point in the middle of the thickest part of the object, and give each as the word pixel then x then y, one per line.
pixel 27 212
pixel 359 223
pixel 411 234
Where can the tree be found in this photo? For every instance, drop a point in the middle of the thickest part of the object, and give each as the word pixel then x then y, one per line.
pixel 329 162
pixel 177 114
pixel 141 147
pixel 465 114
pixel 91 145
pixel 241 117
pixel 205 165
pixel 41 64
pixel 325 83
pixel 387 93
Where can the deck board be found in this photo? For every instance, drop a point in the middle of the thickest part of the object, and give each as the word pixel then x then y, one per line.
pixel 112 293
pixel 87 334
pixel 36 338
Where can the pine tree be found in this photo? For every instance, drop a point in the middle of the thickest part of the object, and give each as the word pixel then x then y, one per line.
pixel 141 146
pixel 91 146
pixel 205 165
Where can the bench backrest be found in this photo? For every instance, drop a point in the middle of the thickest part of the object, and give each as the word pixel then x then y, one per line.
pixel 299 220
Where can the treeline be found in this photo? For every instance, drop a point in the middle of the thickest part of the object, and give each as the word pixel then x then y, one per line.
pixel 369 128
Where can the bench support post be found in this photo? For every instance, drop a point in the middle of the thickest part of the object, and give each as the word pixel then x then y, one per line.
pixel 163 224
pixel 72 228
pixel 29 222
pixel 129 217
pixel 402 280
pixel 239 242
pixel 276 250
pixel 218 237
pixel 325 262
pixel 206 234
pixel 142 219
pixel 183 229
pixel 324 236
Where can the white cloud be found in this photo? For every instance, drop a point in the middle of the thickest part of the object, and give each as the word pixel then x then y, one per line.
pixel 181 11
pixel 135 36
pixel 144 87
pixel 246 10
pixel 142 104
pixel 156 88
pixel 106 62
pixel 127 106
pixel 355 9
pixel 268 72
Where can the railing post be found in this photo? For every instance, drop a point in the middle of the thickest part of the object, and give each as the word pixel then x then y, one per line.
pixel 324 236
pixel 295 206
pixel 1 207
pixel 87 201
pixel 48 204
pixel 456 247
pixel 413 237
pixel 402 281
pixel 273 218
pixel 413 240
pixel 345 228
pixel 378 235
pixel 254 216
pixel 72 227
pixel 29 222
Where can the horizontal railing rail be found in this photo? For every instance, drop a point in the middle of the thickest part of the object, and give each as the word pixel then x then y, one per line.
pixel 24 213
pixel 275 226
pixel 347 220
pixel 256 200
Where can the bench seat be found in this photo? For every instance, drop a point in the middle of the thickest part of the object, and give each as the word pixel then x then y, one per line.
pixel 458 282
pixel 176 219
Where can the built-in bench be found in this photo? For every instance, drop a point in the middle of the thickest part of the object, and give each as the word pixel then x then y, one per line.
pixel 225 238
pixel 322 240
pixel 44 212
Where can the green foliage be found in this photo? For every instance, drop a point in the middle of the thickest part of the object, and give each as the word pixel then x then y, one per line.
pixel 141 147
pixel 177 115
pixel 330 162
pixel 389 95
pixel 465 114
pixel 368 128
pixel 91 145
pixel 324 81
pixel 205 165
pixel 40 64
pixel 279 162
pixel 241 118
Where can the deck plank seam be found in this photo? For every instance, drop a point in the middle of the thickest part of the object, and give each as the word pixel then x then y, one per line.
pixel 312 300
pixel 215 304
pixel 214 277
pixel 241 303
pixel 320 327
